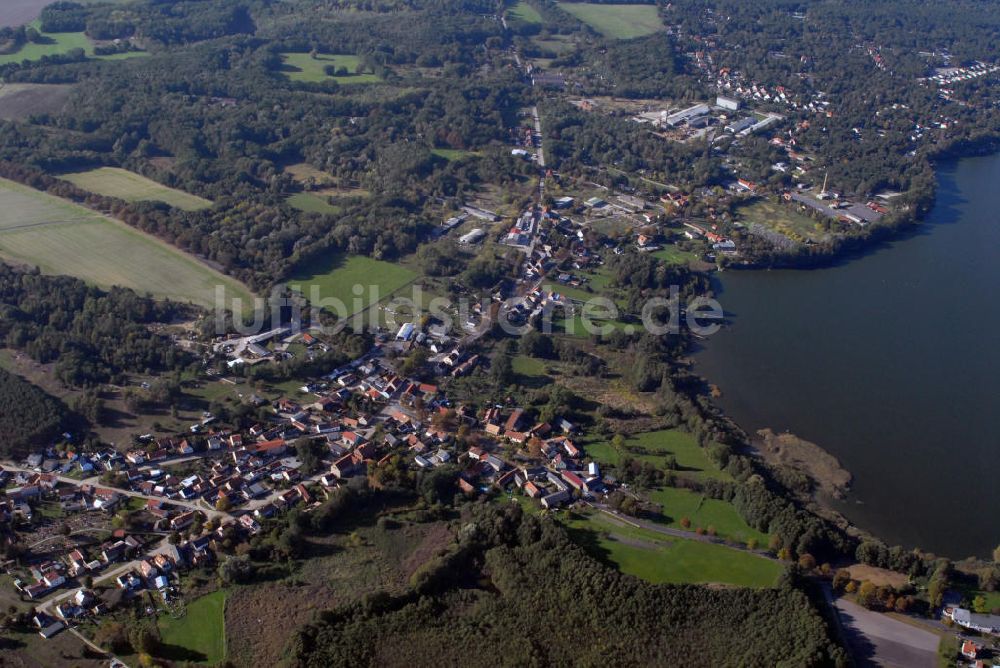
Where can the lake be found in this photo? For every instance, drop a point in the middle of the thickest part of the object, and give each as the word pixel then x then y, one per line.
pixel 19 12
pixel 890 362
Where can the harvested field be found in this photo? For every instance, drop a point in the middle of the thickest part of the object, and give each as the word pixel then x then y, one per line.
pixel 132 187
pixel 60 237
pixel 18 101
pixel 877 576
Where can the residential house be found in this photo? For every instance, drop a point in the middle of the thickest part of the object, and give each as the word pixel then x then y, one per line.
pixel 555 499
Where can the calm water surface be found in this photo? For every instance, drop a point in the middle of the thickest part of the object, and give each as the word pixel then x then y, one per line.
pixel 891 363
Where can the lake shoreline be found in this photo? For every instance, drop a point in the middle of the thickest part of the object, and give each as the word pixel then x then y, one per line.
pixel 950 206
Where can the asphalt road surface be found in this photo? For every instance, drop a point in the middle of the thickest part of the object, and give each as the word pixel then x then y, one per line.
pixel 878 640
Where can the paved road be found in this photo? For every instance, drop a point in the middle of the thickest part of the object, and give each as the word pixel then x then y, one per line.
pixel 879 640
pixel 541 149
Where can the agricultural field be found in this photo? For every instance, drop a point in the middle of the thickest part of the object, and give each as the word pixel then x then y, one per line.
pixel 303 67
pixel 18 101
pixel 334 277
pixel 200 635
pixel 524 12
pixel 782 219
pixel 656 558
pixel 656 447
pixel 704 513
pixel 132 187
pixel 60 43
pixel 60 237
pixel 617 21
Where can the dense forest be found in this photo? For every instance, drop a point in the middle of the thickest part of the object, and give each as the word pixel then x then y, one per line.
pixel 28 416
pixel 533 597
pixel 92 336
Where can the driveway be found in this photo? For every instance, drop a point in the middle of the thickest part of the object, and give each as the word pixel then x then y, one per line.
pixel 878 640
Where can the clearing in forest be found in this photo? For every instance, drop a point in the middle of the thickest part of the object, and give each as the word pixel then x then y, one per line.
pixel 617 21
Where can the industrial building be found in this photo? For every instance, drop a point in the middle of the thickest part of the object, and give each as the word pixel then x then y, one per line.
pixel 729 103
pixel 473 237
pixel 741 125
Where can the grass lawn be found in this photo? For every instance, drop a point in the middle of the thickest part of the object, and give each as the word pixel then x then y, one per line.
pixel 56 44
pixel 522 11
pixel 660 559
pixel 63 238
pixel 303 67
pixel 335 276
pixel 198 636
pixel 673 255
pixel 598 281
pixel 704 512
pixel 132 187
pixel 557 43
pixel 969 594
pixel 617 21
pixel 528 366
pixel 783 219
pixel 311 203
pixel 49 510
pixel 658 445
pixel 452 153
pixel 576 327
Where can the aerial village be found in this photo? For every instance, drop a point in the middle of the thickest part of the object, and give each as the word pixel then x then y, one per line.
pixel 115 524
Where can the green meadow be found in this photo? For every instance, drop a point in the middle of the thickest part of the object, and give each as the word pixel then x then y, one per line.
pixel 673 255
pixel 334 277
pixel 60 43
pixel 198 636
pixel 617 21
pixel 704 513
pixel 656 447
pixel 522 11
pixel 310 203
pixel 656 558
pixel 305 68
